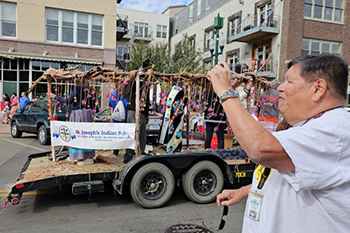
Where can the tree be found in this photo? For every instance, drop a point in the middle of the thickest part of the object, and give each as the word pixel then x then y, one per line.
pixel 185 57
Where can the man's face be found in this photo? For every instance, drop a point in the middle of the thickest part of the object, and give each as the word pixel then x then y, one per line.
pixel 23 94
pixel 295 96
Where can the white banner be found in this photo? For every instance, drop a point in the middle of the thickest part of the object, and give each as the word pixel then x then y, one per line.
pixel 93 135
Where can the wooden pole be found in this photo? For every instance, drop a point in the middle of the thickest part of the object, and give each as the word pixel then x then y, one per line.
pixel 137 116
pixel 51 117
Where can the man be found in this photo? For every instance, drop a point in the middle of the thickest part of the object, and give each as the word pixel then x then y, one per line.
pixel 24 100
pixel 303 182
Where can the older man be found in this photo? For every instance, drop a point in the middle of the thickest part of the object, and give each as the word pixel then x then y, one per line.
pixel 303 181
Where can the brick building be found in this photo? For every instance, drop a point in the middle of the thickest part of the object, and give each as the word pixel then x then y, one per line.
pixel 36 35
pixel 264 35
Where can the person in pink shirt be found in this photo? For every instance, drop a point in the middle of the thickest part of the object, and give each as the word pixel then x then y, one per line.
pixel 14 104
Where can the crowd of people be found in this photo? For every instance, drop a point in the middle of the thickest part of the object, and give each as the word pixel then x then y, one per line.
pixel 10 106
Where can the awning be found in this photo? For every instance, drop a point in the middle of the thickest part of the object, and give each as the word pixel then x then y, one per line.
pixel 49 58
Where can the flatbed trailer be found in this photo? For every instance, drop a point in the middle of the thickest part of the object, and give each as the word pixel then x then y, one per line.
pixel 150 178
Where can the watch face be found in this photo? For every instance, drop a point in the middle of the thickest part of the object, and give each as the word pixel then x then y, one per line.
pixel 232 92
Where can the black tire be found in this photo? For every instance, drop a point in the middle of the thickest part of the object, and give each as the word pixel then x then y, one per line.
pixel 203 182
pixel 43 135
pixel 152 185
pixel 15 132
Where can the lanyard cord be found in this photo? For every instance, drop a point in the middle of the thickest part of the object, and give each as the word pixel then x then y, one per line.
pixel 318 115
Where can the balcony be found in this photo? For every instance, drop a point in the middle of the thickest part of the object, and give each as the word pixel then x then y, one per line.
pixel 122 26
pixel 267 68
pixel 249 30
pixel 138 37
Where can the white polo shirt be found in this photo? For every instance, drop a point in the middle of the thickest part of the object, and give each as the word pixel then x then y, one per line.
pixel 316 197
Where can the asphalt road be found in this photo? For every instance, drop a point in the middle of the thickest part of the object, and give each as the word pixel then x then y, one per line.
pixel 54 210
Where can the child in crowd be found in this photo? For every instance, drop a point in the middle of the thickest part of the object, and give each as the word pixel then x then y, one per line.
pixel 5 113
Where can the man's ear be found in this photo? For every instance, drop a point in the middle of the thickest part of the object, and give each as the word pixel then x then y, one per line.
pixel 320 89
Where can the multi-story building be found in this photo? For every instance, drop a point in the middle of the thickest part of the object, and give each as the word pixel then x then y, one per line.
pixel 263 35
pixel 36 35
pixel 134 27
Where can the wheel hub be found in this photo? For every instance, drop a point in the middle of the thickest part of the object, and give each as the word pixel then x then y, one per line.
pixel 204 182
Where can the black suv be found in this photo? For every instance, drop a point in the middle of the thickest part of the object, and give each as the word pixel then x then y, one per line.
pixel 34 118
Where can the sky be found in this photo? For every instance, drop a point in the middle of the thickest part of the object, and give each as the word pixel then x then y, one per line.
pixel 156 6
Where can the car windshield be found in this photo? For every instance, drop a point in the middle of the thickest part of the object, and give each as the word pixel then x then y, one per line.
pixel 59 108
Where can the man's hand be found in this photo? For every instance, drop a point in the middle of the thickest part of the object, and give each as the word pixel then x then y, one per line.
pixel 232 196
pixel 220 77
pixel 51 95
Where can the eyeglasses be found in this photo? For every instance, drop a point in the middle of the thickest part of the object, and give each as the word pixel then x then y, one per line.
pixel 223 222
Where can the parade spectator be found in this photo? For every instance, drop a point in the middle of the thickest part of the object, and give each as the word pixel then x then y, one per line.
pixel 81 112
pixel 6 112
pixel 268 114
pixel 24 100
pixel 5 98
pixel 303 181
pixel 215 121
pixel 14 104
pixel 112 103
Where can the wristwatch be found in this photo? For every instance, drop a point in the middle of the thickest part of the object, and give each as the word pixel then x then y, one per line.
pixel 230 93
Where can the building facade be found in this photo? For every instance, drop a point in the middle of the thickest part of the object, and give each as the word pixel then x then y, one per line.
pixel 36 35
pixel 264 35
pixel 134 27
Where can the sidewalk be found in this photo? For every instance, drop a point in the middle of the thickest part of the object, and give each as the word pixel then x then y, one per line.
pixel 4 128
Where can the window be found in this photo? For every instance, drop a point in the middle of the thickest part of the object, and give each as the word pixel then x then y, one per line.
pixel 209 34
pixel 176 24
pixel 332 10
pixel 161 31
pixel 232 60
pixel 262 60
pixel 74 28
pixel 141 29
pixel 311 46
pixel 191 14
pixel 234 26
pixel 207 7
pixel 265 13
pixel 192 42
pixel 199 8
pixel 122 52
pixel 8 19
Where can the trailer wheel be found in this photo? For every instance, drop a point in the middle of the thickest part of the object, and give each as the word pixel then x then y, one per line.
pixel 152 185
pixel 203 182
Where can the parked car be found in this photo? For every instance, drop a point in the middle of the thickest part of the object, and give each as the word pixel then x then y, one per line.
pixel 103 115
pixel 34 118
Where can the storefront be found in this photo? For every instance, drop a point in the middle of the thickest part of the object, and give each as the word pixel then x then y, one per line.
pixel 18 74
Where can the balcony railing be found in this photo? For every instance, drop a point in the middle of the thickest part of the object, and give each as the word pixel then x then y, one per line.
pixel 122 26
pixel 262 67
pixel 147 37
pixel 251 28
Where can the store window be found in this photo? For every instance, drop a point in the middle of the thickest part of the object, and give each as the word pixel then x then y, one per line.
pixel 232 60
pixel 161 31
pixel 311 46
pixel 8 15
pixel 331 10
pixel 74 28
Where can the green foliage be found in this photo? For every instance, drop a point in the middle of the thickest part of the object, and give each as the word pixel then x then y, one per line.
pixel 185 58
